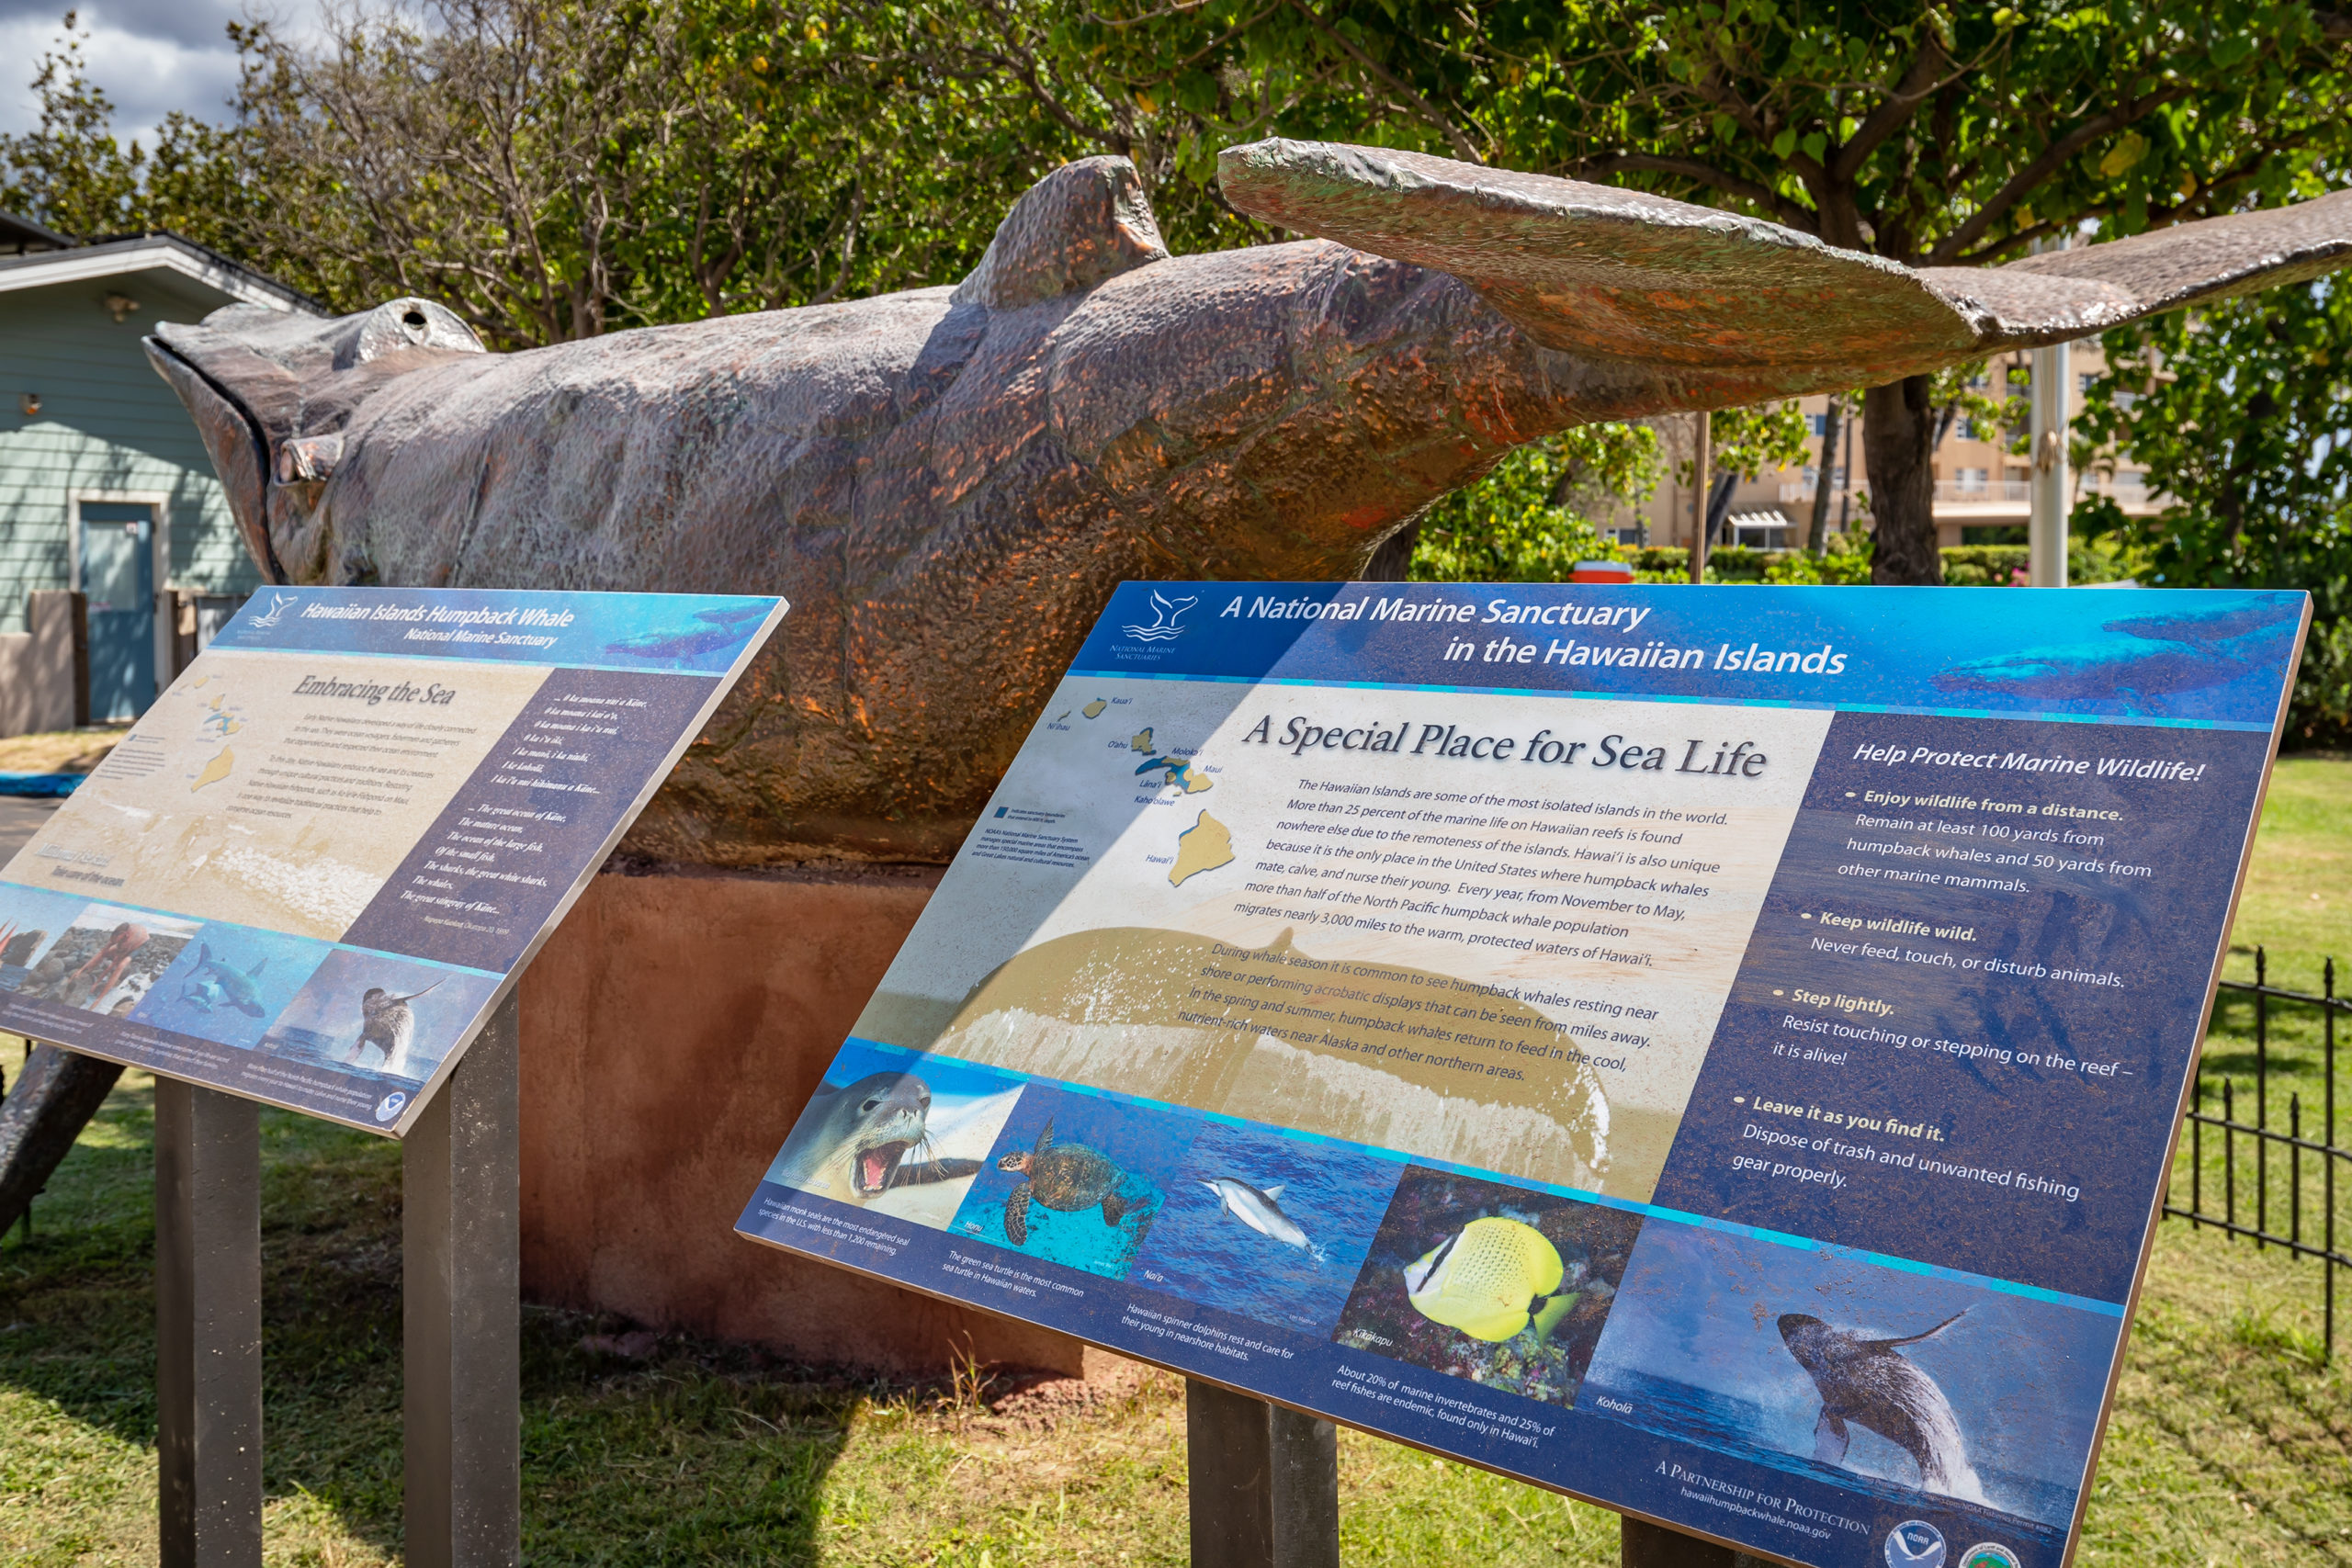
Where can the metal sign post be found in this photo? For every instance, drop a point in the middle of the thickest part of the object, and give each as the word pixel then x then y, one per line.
pixel 1264 1482
pixel 461 1314
pixel 461 1319
pixel 208 1326
pixel 1644 1545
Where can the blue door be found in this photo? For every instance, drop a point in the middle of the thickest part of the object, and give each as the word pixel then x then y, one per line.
pixel 119 575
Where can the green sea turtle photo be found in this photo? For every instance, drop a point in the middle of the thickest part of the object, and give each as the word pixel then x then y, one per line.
pixel 1069 1177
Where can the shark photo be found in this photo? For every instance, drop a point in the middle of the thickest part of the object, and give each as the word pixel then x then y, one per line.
pixel 230 983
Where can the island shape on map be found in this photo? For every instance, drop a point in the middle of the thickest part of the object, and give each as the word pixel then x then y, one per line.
pixel 1204 846
pixel 1184 776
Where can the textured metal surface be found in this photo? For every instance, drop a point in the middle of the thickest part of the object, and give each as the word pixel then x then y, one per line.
pixel 1603 273
pixel 461 1313
pixel 1264 1482
pixel 948 482
pixel 47 1106
pixel 208 1328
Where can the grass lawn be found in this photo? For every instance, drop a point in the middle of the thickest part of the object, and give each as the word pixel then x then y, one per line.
pixel 2229 1443
pixel 60 750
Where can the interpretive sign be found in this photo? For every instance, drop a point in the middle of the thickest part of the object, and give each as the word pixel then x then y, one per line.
pixel 310 870
pixel 1713 1051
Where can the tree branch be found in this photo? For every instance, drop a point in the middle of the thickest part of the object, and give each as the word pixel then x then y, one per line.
pixel 1917 84
pixel 2053 157
pixel 1430 111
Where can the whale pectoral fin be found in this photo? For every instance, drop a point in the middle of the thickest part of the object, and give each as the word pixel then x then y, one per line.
pixel 1016 1215
pixel 1620 275
pixel 1115 1208
pixel 1829 1437
pixel 1608 273
pixel 932 1170
pixel 1915 1338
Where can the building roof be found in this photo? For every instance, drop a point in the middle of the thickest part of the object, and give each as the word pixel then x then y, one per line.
pixel 178 266
pixel 23 234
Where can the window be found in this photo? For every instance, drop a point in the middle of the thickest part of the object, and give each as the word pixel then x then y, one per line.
pixel 1820 423
pixel 2083 381
pixel 1964 428
pixel 1970 481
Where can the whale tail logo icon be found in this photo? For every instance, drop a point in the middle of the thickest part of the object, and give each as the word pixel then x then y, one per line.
pixel 1164 613
pixel 278 604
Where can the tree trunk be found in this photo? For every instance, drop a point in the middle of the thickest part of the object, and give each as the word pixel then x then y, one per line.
pixel 1898 440
pixel 1816 538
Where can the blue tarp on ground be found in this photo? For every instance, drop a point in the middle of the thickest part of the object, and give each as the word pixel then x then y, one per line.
pixel 40 783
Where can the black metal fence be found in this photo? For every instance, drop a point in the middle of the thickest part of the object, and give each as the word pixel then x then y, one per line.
pixel 2272 1182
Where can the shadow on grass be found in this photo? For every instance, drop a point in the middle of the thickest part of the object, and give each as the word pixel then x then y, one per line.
pixel 700 1451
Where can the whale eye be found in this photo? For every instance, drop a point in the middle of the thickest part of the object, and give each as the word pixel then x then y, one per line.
pixel 870 1104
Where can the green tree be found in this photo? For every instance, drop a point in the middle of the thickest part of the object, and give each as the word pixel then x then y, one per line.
pixel 71 172
pixel 1541 510
pixel 1935 136
pixel 2241 416
pixel 551 169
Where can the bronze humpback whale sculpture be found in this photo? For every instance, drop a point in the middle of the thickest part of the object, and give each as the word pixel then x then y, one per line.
pixel 947 483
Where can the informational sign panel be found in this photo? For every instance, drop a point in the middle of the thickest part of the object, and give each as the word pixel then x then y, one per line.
pixel 1713 1051
pixel 311 869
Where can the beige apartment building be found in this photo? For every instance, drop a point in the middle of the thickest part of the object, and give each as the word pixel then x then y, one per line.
pixel 1981 488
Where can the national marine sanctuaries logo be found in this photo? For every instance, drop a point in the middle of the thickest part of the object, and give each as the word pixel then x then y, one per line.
pixel 1164 614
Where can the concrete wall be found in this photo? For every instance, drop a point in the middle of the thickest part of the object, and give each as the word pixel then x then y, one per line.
pixel 39 683
pixel 673 1028
pixel 106 424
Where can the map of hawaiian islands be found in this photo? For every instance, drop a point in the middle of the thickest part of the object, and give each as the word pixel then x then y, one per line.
pixel 1207 843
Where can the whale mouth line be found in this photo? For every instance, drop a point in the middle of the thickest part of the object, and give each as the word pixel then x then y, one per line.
pixel 876 1164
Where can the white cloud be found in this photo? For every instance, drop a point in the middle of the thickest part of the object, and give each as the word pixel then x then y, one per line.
pixel 150 56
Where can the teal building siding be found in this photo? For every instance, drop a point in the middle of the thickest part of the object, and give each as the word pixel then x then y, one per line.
pixel 106 426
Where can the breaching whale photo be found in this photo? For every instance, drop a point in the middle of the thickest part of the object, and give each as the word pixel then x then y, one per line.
pixel 1923 1391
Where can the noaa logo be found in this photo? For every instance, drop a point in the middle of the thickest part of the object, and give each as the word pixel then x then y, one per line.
pixel 1989 1555
pixel 391 1105
pixel 1164 612
pixel 278 604
pixel 1915 1544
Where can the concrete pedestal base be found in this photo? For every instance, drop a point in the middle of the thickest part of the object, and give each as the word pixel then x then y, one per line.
pixel 672 1029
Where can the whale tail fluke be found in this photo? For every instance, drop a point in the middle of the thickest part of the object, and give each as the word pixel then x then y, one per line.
pixel 1622 275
